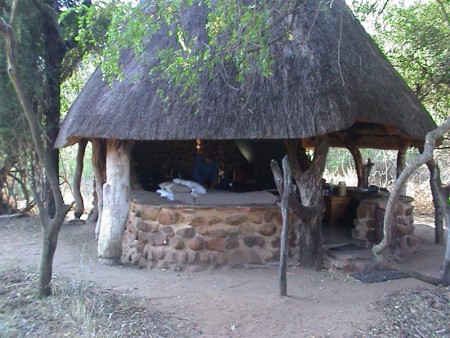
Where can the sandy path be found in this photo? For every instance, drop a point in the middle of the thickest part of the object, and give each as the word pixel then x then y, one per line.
pixel 223 302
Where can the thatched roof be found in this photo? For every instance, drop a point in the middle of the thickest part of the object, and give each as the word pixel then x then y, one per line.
pixel 335 79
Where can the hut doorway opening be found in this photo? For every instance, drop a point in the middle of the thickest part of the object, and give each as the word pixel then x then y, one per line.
pixel 244 164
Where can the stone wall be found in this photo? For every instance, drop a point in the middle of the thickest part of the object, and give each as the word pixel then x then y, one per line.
pixel 369 224
pixel 176 237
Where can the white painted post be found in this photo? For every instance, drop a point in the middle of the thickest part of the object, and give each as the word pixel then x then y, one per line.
pixel 116 201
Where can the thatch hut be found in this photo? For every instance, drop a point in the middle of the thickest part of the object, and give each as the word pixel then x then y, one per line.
pixel 330 79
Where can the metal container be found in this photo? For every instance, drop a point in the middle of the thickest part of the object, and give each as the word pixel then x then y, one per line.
pixel 342 189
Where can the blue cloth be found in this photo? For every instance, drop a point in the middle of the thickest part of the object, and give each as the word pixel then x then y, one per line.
pixel 206 171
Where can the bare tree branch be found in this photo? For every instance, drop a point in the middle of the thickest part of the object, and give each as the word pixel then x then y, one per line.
pixel 427 156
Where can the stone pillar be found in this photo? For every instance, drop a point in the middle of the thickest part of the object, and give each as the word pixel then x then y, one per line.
pixel 116 201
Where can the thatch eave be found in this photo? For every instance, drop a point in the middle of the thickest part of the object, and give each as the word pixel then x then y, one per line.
pixel 337 80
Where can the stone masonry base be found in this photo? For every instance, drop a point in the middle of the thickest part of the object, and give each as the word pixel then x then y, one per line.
pixel 176 237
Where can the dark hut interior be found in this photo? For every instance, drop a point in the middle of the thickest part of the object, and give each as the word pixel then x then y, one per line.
pixel 245 163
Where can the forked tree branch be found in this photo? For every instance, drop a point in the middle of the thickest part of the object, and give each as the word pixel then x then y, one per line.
pixel 427 155
pixel 430 141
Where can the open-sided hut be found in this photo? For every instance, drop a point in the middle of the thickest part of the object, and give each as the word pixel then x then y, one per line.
pixel 329 79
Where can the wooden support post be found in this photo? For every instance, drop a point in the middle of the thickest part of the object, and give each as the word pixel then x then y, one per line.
pixel 79 203
pixel 366 168
pixel 116 201
pixel 283 181
pixel 435 185
pixel 401 160
pixel 401 164
pixel 357 157
pixel 99 165
pixel 309 210
pixel 93 214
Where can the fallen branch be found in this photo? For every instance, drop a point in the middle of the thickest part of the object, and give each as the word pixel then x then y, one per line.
pixel 391 263
pixel 19 214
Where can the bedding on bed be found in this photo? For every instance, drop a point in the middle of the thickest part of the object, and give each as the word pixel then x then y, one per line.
pixel 219 197
pixel 190 192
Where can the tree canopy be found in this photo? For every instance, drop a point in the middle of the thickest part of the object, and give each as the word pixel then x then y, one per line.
pixel 36 68
pixel 416 39
pixel 238 33
pixel 48 53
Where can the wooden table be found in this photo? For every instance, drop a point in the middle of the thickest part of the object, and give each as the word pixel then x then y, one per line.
pixel 335 207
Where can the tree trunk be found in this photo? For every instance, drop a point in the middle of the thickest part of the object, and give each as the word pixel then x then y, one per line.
pixel 445 272
pixel 49 242
pixel 311 206
pixel 55 50
pixel 116 201
pixel 49 226
pixel 52 127
pixel 357 157
pixel 444 205
pixel 401 163
pixel 21 180
pixel 93 215
pixel 99 165
pixel 79 204
pixel 366 168
pixel 435 185
pixel 48 193
pixel 286 190
pixel 311 240
pixel 9 163
pixel 50 231
pixel 425 157
pixel 401 160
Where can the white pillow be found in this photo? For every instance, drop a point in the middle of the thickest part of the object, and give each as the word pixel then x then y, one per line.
pixel 164 184
pixel 162 192
pixel 197 187
pixel 179 188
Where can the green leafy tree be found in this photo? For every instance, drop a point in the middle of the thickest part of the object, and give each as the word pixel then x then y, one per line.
pixel 238 34
pixel 41 50
pixel 17 160
pixel 416 40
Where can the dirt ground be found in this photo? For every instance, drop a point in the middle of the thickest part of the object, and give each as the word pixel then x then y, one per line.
pixel 227 302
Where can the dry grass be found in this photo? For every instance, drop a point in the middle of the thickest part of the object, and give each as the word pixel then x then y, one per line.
pixel 84 310
pixel 78 309
pixel 419 312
